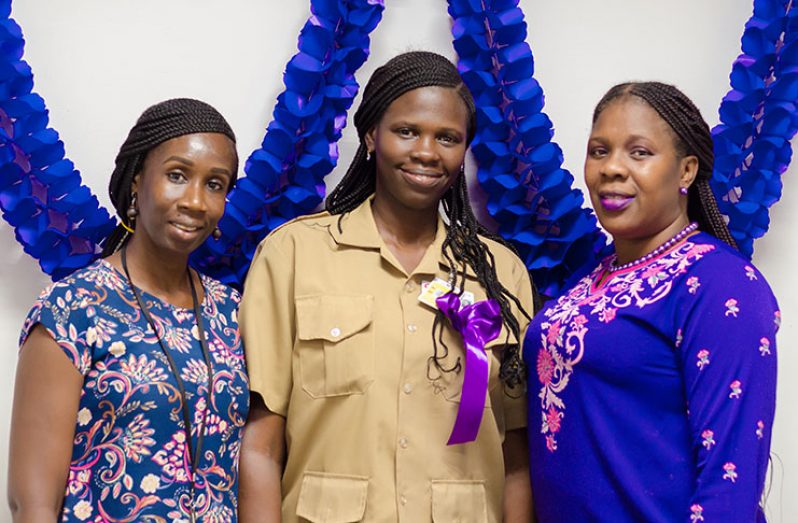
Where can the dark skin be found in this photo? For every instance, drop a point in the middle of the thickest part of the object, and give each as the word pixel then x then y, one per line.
pixel 632 156
pixel 181 194
pixel 420 145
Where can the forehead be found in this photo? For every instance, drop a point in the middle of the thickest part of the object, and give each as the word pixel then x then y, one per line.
pixel 631 115
pixel 215 147
pixel 441 105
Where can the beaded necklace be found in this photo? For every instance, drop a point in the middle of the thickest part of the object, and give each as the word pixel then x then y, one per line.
pixel 612 268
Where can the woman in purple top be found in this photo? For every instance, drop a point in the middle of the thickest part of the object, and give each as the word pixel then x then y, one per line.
pixel 652 381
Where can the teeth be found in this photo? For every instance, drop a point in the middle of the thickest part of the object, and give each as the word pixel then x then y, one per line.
pixel 185 227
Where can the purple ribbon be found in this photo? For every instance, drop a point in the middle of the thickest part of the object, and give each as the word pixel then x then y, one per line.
pixel 478 324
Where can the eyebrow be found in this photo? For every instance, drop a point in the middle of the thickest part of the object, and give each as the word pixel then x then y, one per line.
pixel 189 163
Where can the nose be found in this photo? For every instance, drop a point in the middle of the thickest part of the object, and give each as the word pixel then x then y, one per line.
pixel 193 197
pixel 614 165
pixel 425 150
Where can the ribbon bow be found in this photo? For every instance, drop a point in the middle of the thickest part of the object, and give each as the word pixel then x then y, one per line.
pixel 478 324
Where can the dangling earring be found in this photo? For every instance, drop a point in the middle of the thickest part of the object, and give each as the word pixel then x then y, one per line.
pixel 462 169
pixel 369 155
pixel 132 212
pixel 217 233
pixel 683 191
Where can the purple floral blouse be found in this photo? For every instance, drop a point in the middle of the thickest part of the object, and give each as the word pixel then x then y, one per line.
pixel 652 391
pixel 129 458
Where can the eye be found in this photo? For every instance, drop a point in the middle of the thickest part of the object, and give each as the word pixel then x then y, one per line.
pixel 217 185
pixel 639 152
pixel 176 176
pixel 449 139
pixel 406 132
pixel 597 151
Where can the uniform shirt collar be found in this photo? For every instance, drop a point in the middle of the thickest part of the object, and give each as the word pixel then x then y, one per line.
pixel 358 229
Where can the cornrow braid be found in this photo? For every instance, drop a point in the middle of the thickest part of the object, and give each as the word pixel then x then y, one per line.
pixel 159 123
pixel 462 247
pixel 692 137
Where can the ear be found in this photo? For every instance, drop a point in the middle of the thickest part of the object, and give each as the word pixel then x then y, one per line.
pixel 134 186
pixel 369 139
pixel 689 171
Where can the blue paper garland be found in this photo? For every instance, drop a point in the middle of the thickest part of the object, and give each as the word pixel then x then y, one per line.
pixel 285 177
pixel 530 195
pixel 759 117
pixel 55 218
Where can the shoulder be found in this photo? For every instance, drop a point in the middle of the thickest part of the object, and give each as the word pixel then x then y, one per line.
pixel 508 264
pixel 220 292
pixel 723 265
pixel 303 228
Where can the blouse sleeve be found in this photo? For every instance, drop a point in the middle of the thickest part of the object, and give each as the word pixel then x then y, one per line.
pixel 266 320
pixel 61 310
pixel 727 345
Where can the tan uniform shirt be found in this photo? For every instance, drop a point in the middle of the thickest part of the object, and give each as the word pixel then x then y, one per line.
pixel 338 343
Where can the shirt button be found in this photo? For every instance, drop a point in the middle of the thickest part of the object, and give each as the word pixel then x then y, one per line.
pixel 409 287
pixel 403 442
pixel 335 332
pixel 403 500
pixel 408 388
pixel 411 327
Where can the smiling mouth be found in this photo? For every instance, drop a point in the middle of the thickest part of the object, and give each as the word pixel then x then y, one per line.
pixel 186 228
pixel 422 178
pixel 615 202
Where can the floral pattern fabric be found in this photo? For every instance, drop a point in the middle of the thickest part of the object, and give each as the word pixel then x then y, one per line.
pixel 129 459
pixel 652 391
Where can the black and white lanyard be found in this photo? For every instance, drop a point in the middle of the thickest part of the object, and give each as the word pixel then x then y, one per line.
pixel 194 455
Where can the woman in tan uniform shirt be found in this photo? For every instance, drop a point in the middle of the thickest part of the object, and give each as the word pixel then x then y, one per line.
pixel 356 377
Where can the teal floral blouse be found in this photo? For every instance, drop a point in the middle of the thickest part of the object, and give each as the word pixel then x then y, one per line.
pixel 129 458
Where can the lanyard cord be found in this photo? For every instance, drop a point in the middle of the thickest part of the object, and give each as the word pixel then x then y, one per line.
pixel 193 454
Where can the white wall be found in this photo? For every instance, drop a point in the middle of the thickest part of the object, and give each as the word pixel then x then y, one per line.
pixel 98 64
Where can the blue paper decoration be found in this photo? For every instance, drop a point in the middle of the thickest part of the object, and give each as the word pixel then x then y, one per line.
pixel 759 117
pixel 530 195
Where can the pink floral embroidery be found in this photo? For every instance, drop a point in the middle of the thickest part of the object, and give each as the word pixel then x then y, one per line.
pixel 703 359
pixel 736 389
pixel 730 470
pixel 709 439
pixel 608 314
pixel 551 443
pixel 553 417
pixel 696 511
pixel 545 366
pixel 565 323
pixel 693 283
pixel 764 346
pixel 749 271
pixel 777 319
pixel 554 333
pixel 760 429
pixel 679 337
pixel 731 307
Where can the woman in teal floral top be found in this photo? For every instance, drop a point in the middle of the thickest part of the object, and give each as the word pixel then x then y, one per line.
pixel 141 421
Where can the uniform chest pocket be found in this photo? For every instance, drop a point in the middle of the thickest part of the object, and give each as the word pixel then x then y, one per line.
pixel 451 383
pixel 335 344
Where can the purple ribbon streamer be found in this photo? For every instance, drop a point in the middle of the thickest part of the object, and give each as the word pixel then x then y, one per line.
pixel 478 324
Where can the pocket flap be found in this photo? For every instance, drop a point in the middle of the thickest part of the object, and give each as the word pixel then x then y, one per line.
pixel 332 498
pixel 332 317
pixel 461 501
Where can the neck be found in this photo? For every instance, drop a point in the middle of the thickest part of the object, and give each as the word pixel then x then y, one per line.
pixel 403 226
pixel 157 273
pixel 629 250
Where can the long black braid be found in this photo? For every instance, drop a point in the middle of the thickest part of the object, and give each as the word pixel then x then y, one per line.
pixel 462 246
pixel 692 137
pixel 157 124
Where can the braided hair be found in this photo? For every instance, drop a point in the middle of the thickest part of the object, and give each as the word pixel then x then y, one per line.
pixel 462 246
pixel 159 123
pixel 692 138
